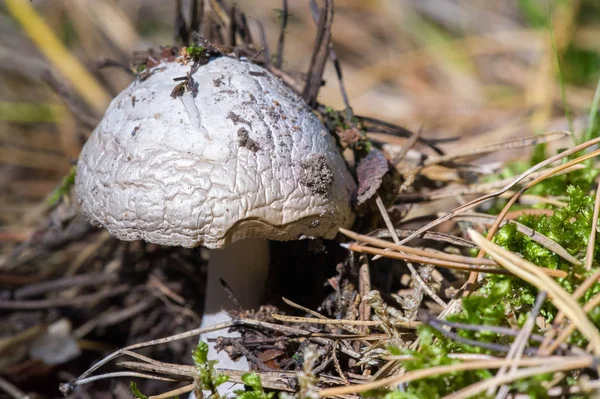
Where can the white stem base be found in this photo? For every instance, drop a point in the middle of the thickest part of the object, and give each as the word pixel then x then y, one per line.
pixel 244 265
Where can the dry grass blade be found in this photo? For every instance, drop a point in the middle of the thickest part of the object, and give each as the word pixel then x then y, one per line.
pixel 586 285
pixel 505 145
pixel 532 274
pixel 47 42
pixel 174 393
pixel 403 248
pixel 561 363
pixel 517 180
pixel 310 320
pixel 443 263
pixel 589 253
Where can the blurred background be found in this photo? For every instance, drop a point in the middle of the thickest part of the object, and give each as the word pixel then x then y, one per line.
pixel 480 70
pixel 450 67
pixel 484 69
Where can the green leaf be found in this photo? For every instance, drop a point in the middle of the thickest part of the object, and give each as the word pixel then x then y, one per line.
pixel 135 391
pixel 253 381
pixel 220 379
pixel 200 354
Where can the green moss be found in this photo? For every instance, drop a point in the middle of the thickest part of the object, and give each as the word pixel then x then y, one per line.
pixel 63 188
pixel 195 51
pixel 254 388
pixel 432 353
pixel 502 298
pixel 208 379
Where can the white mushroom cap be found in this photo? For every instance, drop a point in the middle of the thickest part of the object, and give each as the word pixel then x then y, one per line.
pixel 244 157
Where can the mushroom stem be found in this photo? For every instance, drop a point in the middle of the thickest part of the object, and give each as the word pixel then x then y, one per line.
pixel 244 265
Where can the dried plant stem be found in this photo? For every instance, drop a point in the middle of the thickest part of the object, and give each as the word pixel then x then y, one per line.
pixel 514 182
pixel 415 251
pixel 174 393
pixel 561 365
pixel 432 261
pixel 589 253
pixel 564 335
pixel 556 364
pixel 47 42
pixel 560 316
pixel 505 145
pixel 296 319
pixel 415 275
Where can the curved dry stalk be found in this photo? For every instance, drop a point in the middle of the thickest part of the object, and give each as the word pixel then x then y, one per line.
pixel 560 316
pixel 504 145
pixel 378 242
pixel 561 365
pixel 467 267
pixel 483 188
pixel 557 362
pixel 67 386
pixel 551 172
pixel 188 334
pixel 514 182
pixel 531 273
pixel 564 335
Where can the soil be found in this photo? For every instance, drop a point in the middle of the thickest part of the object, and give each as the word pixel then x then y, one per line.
pixel 317 174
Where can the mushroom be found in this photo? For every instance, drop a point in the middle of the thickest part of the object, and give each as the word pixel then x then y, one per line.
pixel 230 161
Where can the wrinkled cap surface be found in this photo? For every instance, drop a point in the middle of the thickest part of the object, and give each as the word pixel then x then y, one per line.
pixel 243 156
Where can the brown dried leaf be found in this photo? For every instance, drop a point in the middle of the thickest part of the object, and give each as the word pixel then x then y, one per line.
pixel 370 172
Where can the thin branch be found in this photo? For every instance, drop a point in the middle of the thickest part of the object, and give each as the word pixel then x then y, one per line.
pixel 280 41
pixel 318 59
